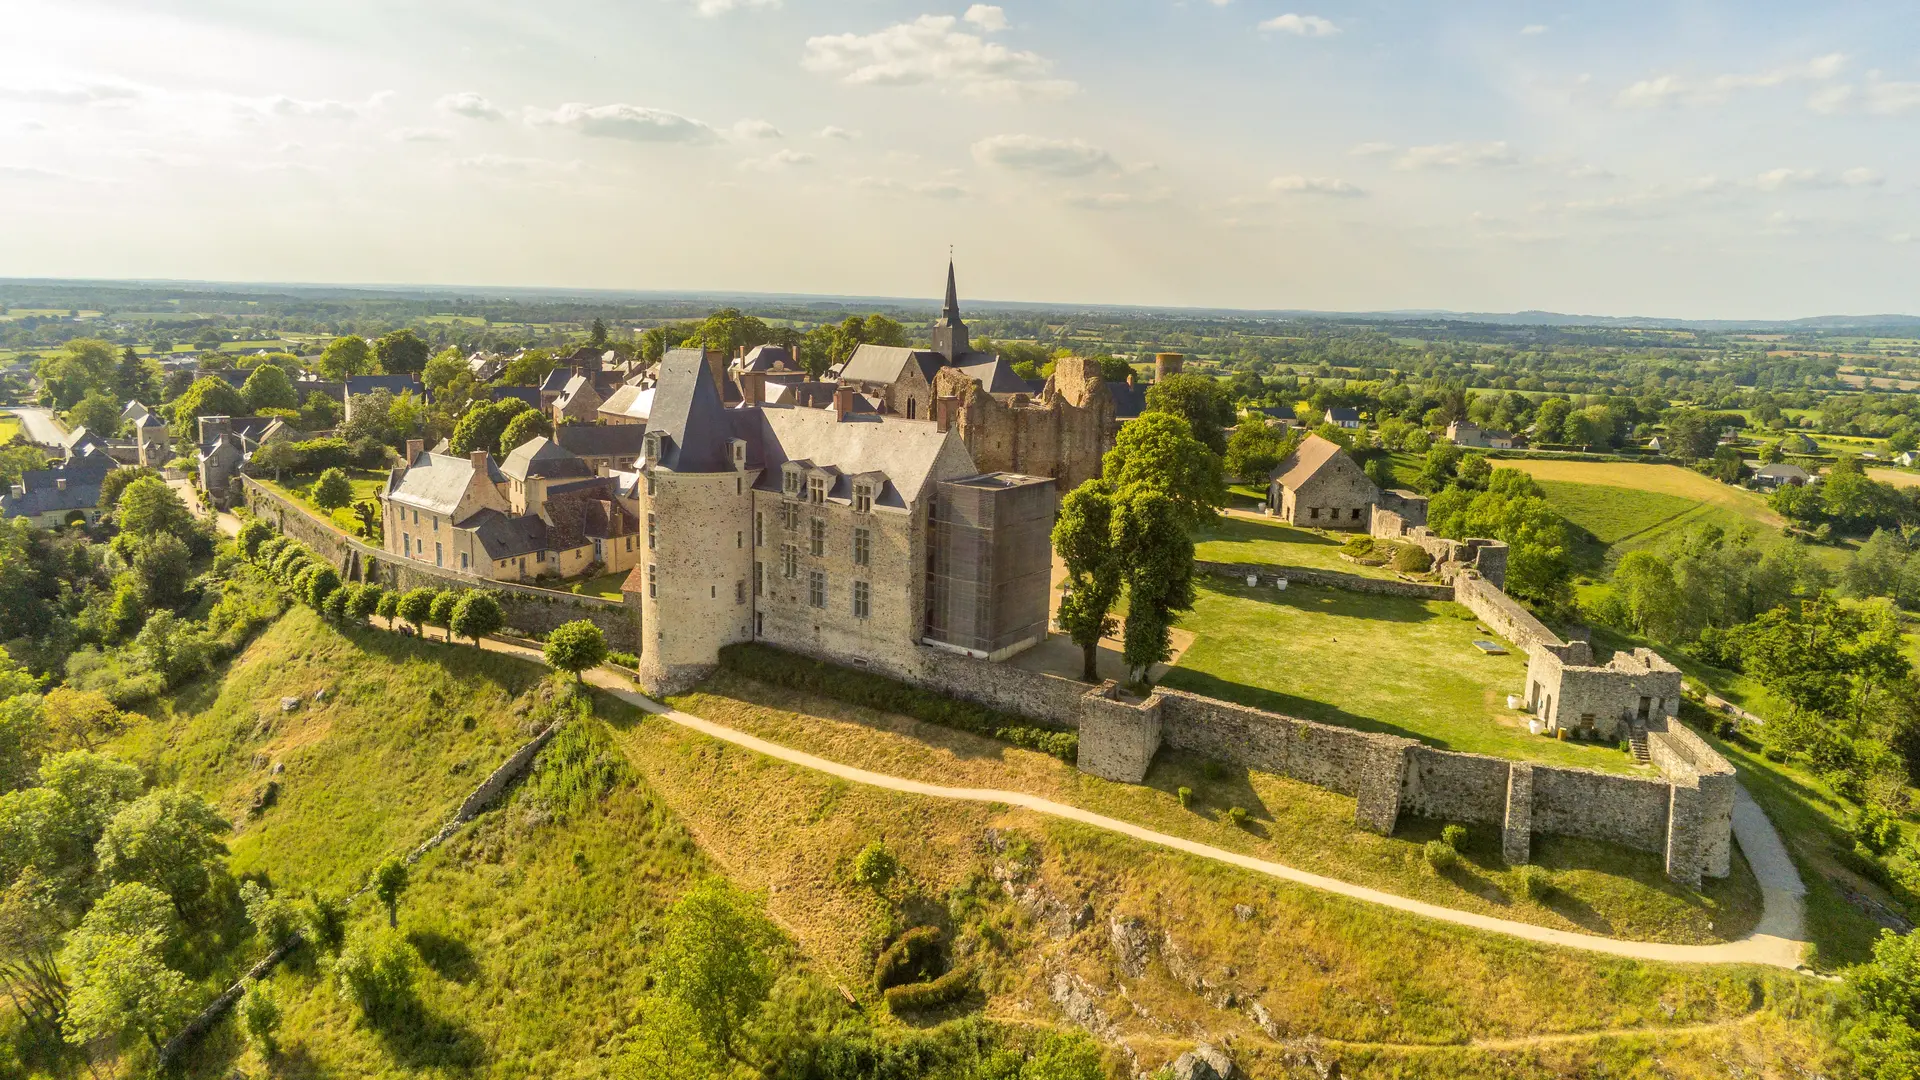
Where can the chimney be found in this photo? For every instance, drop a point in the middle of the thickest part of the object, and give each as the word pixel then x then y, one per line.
pixel 753 386
pixel 944 409
pixel 739 352
pixel 1167 363
pixel 19 490
pixel 717 364
pixel 59 483
pixel 479 459
pixel 580 370
pixel 414 449
pixel 1129 376
pixel 842 400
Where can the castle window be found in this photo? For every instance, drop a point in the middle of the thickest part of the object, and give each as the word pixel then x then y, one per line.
pixel 1316 513
pixel 817 537
pixel 862 600
pixel 817 588
pixel 862 499
pixel 653 580
pixel 1356 515
pixel 739 539
pixel 789 516
pixel 759 529
pixel 862 547
pixel 792 482
pixel 789 560
pixel 817 489
pixel 759 579
pixel 653 533
pixel 913 408
pixel 739 592
pixel 650 487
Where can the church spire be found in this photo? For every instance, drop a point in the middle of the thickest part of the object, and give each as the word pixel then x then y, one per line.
pixel 950 334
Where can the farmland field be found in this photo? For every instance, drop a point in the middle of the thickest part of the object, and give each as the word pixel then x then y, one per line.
pixel 1900 477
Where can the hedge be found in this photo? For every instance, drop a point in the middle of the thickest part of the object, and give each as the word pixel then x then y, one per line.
pixel 795 672
pixel 927 995
pixel 908 958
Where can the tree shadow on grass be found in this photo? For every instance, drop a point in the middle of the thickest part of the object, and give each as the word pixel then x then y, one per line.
pixel 1344 603
pixel 296 1062
pixel 419 1039
pixel 511 674
pixel 449 957
pixel 1216 786
pixel 1259 697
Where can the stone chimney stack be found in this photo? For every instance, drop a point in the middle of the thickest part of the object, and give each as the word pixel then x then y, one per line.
pixel 753 387
pixel 415 447
pixel 739 352
pixel 19 490
pixel 1167 363
pixel 717 365
pixel 944 410
pixel 59 483
pixel 479 459
pixel 842 400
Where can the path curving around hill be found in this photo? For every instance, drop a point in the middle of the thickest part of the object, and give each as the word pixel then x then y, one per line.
pixel 1778 940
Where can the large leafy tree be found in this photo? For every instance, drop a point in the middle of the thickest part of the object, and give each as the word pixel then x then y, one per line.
pixel 477 615
pixel 1159 450
pixel 1255 450
pixel 1831 663
pixel 346 355
pixel 149 507
pixel 716 960
pixel 1150 531
pixel 1884 1037
pixel 401 353
pixel 98 412
pixel 82 366
pixel 526 425
pixel 483 426
pixel 269 388
pixel 575 647
pixel 1083 538
pixel 169 839
pixel 210 395
pixel 1203 402
pixel 1514 510
pixel 333 490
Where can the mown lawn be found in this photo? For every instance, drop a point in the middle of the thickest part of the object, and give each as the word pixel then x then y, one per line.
pixel 1377 663
pixel 367 486
pixel 1271 543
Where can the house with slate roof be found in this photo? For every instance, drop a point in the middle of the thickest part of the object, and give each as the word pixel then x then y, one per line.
pixel 60 496
pixel 1319 486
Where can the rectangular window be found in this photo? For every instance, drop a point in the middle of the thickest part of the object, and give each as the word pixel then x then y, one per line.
pixel 862 499
pixel 817 588
pixel 789 560
pixel 653 533
pixel 759 579
pixel 463 560
pixel 759 529
pixel 1316 513
pixel 649 485
pixel 862 600
pixel 817 537
pixel 862 547
pixel 739 592
pixel 653 581
pixel 791 482
pixel 739 539
pixel 1356 515
pixel 437 554
pixel 817 489
pixel 416 517
pixel 629 543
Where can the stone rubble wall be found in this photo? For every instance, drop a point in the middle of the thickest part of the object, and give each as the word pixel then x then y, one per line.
pixel 1502 613
pixel 527 609
pixel 1686 759
pixel 1119 738
pixel 1332 579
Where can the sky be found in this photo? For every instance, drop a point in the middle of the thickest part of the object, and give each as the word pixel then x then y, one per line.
pixel 1702 160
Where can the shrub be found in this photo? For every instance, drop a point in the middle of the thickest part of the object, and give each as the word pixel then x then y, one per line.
pixel 333 490
pixel 624 659
pixel 1358 547
pixel 440 612
pixel 364 601
pixel 253 535
pixel 317 584
pixel 1454 836
pixel 1186 797
pixel 1412 559
pixel 335 605
pixel 781 668
pixel 375 972
pixel 574 647
pixel 388 605
pixel 325 919
pixel 260 1017
pixel 269 549
pixel 911 958
pixel 1441 857
pixel 928 995
pixel 1237 816
pixel 875 866
pixel 1774 754
pixel 416 605
pixel 1535 883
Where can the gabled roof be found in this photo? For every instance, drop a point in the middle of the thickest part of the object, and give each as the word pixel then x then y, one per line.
pixel 1129 399
pixel 528 394
pixel 43 494
pixel 687 412
pixel 1783 470
pixel 909 453
pixel 437 482
pixel 628 400
pixel 994 374
pixel 765 358
pixel 556 380
pixel 577 385
pixel 887 363
pixel 393 384
pixel 1341 414
pixel 135 412
pixel 602 440
pixel 542 458
pixel 587 509
pixel 504 537
pixel 1272 412
pixel 1314 454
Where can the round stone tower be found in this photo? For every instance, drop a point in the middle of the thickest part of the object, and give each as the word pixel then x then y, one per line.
pixel 1167 363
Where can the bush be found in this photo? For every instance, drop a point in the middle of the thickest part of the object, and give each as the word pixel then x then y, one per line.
pixel 269 549
pixel 1237 816
pixel 333 490
pixel 911 958
pixel 875 866
pixel 624 659
pixel 477 615
pixel 928 995
pixel 781 668
pixel 1412 559
pixel 375 972
pixel 253 535
pixel 1454 836
pixel 1441 857
pixel 325 919
pixel 260 1017
pixel 317 584
pixel 574 647
pixel 1186 797
pixel 1774 754
pixel 335 605
pixel 1535 883
pixel 388 605
pixel 1359 547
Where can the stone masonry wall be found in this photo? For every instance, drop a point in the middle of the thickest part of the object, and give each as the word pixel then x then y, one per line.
pixel 1502 613
pixel 528 610
pixel 1332 579
pixel 1450 786
pixel 1118 738
pixel 1681 754
pixel 1627 810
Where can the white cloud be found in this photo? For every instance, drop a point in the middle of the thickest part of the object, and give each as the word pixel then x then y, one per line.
pixel 711 8
pixel 1862 177
pixel 1371 149
pixel 1314 185
pixel 634 123
pixel 1875 96
pixel 1670 90
pixel 1532 29
pixel 1056 157
pixel 420 135
pixel 1111 200
pixel 1456 156
pixel 988 17
pixel 930 52
pixel 1791 180
pixel 927 189
pixel 1903 238
pixel 470 105
pixel 1300 25
pixel 834 131
pixel 325 108
pixel 781 159
pixel 507 163
pixel 754 129
pixel 95 93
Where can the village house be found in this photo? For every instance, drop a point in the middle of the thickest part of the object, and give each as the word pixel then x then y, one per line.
pixel 1468 433
pixel 59 496
pixel 1342 416
pixel 1319 486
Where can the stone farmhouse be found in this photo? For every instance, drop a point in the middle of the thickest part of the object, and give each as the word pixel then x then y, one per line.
pixel 861 536
pixel 1319 486
pixel 227 444
pixel 1468 433
pixel 59 496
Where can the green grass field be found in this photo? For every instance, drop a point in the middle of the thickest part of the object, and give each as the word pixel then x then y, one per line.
pixel 9 427
pixel 1377 663
pixel 607 585
pixel 1270 543
pixel 367 486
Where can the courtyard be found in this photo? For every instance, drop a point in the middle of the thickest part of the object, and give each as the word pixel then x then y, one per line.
pixel 1247 537
pixel 1378 663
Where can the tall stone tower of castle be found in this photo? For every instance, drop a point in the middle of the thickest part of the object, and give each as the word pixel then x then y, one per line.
pixel 696 509
pixel 950 334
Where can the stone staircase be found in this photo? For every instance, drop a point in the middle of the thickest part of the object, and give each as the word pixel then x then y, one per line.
pixel 1637 742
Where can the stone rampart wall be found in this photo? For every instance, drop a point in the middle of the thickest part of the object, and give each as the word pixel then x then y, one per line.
pixel 1450 786
pixel 1332 579
pixel 1627 810
pixel 527 609
pixel 1502 613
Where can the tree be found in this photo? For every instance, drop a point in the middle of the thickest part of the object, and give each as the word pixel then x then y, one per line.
pixel 150 507
pixel 115 484
pixel 389 881
pixel 1158 449
pixel 575 647
pixel 16 461
pixel 1204 403
pixel 134 377
pixel 1829 663
pixel 260 1018
pixel 597 337
pixel 169 839
pixel 1150 531
pixel 30 939
pixel 527 425
pixel 269 388
pixel 345 356
pixel 401 352
pixel 482 426
pixel 716 961
pixel 80 717
pixel 321 411
pixel 97 412
pixel 1885 1038
pixel 125 989
pixel 1255 450
pixel 1692 434
pixel 317 584
pixel 210 395
pixel 875 866
pixel 444 371
pixel 440 613
pixel 389 605
pixel 1083 538
pixel 376 973
pixel 477 615
pixel 333 490
pixel 80 367
pixel 365 601
pixel 415 605
pixel 1514 510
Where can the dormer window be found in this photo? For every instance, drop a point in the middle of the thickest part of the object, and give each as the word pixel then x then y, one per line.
pixel 817 489
pixel 792 482
pixel 739 453
pixel 862 498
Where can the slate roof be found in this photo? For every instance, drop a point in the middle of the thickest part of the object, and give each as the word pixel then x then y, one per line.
pixel 556 380
pixel 437 482
pixel 393 384
pixel 1341 414
pixel 584 510
pixel 907 452
pixel 1129 400
pixel 765 358
pixel 814 395
pixel 630 401
pixel 79 438
pixel 504 537
pixel 994 374
pixel 528 394
pixel 576 386
pixel 886 363
pixel 44 496
pixel 135 412
pixel 303 387
pixel 1784 470
pixel 688 412
pixel 1271 412
pixel 1312 456
pixel 541 457
pixel 601 440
